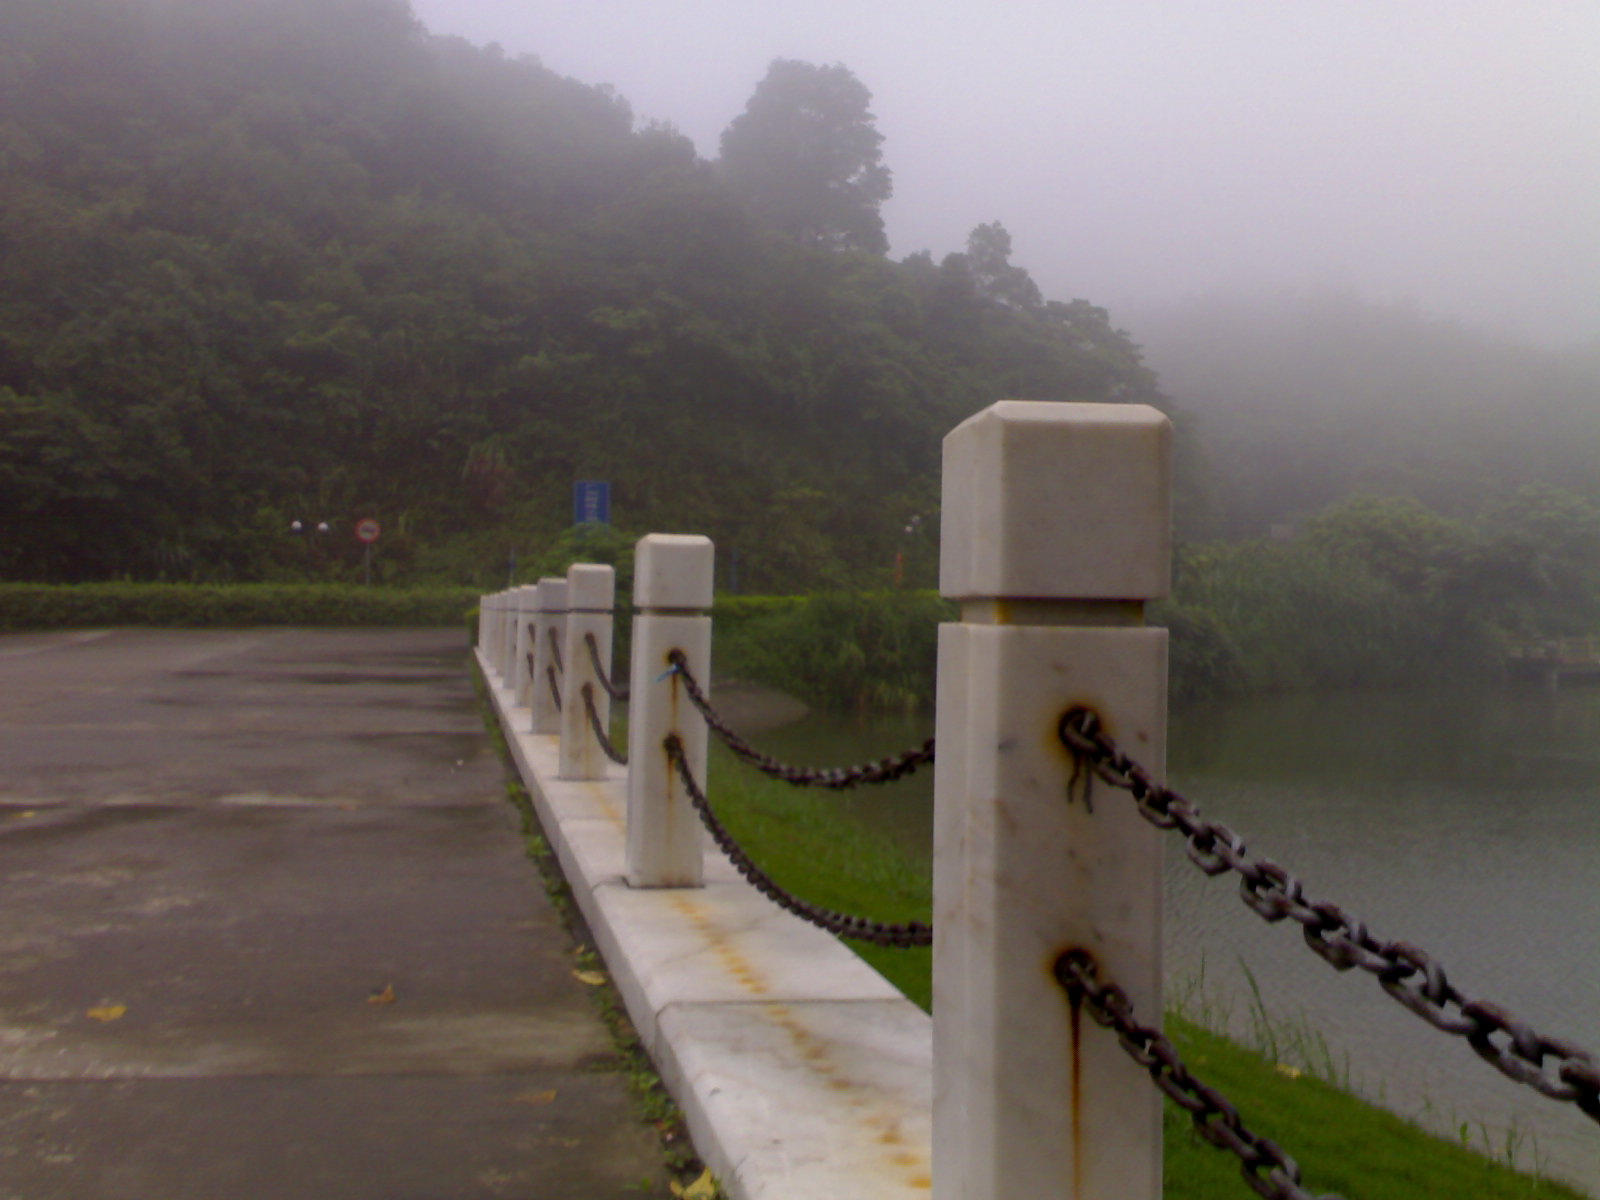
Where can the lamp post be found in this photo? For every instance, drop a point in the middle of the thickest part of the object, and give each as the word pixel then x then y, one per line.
pixel 305 529
pixel 913 527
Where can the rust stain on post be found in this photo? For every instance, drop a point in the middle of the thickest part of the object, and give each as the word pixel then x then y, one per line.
pixel 1074 1068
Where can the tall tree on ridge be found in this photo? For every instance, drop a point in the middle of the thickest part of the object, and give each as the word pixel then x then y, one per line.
pixel 804 155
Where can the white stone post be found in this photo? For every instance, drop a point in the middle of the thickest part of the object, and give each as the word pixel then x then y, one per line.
pixel 1056 530
pixel 552 615
pixel 483 623
pixel 508 635
pixel 591 591
pixel 525 601
pixel 495 603
pixel 672 585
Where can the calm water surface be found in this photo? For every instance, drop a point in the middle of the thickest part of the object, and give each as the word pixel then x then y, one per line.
pixel 1467 822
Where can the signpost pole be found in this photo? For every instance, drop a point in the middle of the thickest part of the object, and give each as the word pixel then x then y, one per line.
pixel 367 529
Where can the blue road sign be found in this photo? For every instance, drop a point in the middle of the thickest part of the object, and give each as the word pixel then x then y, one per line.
pixel 591 503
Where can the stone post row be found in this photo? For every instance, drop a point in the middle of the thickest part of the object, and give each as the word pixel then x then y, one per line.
pixel 549 627
pixel 525 603
pixel 591 591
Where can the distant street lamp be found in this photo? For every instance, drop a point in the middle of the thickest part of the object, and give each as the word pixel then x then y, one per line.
pixel 913 527
pixel 305 529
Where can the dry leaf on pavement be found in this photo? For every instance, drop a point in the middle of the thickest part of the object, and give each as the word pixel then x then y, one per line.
pixel 704 1188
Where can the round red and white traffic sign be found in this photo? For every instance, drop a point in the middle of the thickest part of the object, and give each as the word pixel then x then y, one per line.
pixel 367 529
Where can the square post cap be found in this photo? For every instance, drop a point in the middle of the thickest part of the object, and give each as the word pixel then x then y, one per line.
pixel 552 595
pixel 525 598
pixel 591 587
pixel 1057 501
pixel 673 570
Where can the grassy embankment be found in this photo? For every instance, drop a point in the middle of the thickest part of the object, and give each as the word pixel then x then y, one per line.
pixel 1343 1144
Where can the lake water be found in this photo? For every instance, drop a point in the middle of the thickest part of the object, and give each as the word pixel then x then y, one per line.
pixel 1465 821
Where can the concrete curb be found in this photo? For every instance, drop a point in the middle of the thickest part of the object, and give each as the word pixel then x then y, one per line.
pixel 803 1074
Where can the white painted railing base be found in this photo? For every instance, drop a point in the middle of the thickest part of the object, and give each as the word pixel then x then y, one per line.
pixel 803 1074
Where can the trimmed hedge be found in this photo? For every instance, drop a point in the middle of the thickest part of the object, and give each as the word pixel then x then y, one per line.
pixel 49 606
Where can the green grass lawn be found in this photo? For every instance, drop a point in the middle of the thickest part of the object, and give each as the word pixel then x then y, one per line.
pixel 1343 1144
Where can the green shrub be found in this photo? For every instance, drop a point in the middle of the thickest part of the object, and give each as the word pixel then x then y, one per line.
pixel 864 650
pixel 588 543
pixel 1203 662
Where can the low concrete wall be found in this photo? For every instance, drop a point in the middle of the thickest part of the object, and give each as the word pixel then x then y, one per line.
pixel 804 1075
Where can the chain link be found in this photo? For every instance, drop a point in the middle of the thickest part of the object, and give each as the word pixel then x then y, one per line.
pixel 555 649
pixel 555 688
pixel 1554 1068
pixel 600 673
pixel 611 751
pixel 884 770
pixel 913 933
pixel 1266 1168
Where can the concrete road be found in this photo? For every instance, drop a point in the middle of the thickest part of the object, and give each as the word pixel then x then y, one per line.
pixel 217 848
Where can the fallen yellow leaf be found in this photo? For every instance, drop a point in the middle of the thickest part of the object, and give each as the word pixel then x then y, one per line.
pixel 384 997
pixel 1286 1070
pixel 108 1012
pixel 592 978
pixel 536 1097
pixel 704 1188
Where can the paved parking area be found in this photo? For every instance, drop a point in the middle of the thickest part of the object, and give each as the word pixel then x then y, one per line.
pixel 217 850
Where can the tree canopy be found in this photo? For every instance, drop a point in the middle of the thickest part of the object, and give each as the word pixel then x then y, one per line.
pixel 277 260
pixel 269 261
pixel 806 157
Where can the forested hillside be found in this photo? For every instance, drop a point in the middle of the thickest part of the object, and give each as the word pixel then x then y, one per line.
pixel 279 260
pixel 1395 496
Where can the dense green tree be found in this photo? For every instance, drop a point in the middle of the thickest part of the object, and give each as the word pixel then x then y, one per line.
pixel 1547 546
pixel 993 273
pixel 806 157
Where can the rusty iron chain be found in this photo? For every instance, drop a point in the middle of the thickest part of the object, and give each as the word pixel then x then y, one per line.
pixel 1553 1067
pixel 884 770
pixel 555 688
pixel 1266 1168
pixel 555 649
pixel 913 933
pixel 611 752
pixel 600 673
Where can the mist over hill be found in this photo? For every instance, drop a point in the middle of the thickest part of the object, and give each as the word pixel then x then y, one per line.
pixel 270 261
pixel 1302 400
pixel 278 260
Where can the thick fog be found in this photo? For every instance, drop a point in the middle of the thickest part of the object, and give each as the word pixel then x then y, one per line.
pixel 1441 152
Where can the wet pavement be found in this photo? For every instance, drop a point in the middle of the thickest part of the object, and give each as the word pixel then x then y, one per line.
pixel 267 930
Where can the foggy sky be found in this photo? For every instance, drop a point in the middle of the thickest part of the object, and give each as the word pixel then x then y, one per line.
pixel 1444 153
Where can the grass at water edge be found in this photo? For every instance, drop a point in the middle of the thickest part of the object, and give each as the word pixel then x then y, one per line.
pixel 1344 1144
